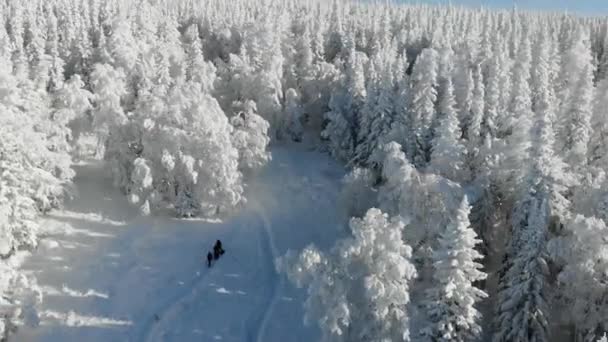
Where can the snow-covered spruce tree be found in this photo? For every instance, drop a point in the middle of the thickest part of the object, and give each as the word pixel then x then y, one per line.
pixel 427 199
pixel 493 93
pixel 366 116
pixel 52 49
pixel 141 185
pixel 379 113
pixel 400 128
pixel 520 115
pixel 445 57
pixel 35 164
pixel 359 291
pixel 448 152
pixel 504 78
pixel 121 45
pixel 262 49
pixel 254 74
pixel 582 282
pixel 110 122
pixel 108 85
pixel 39 61
pixel 334 40
pixel 18 211
pixel 550 176
pixel 197 69
pixel 53 151
pixel 293 114
pixel 400 179
pixel 522 295
pixel 422 105
pixel 602 72
pixel 578 128
pixel 345 105
pixel 72 112
pixel 489 214
pixel 577 100
pixel 490 210
pixel 474 132
pixel 234 81
pixel 522 313
pixel 463 88
pixel 598 142
pixel 303 55
pixel 315 97
pixel 338 130
pixel 451 300
pixel 316 81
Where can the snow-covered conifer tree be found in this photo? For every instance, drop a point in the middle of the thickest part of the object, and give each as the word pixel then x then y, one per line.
pixel 452 299
pixel 448 152
pixel 400 129
pixel 474 125
pixel 549 177
pixel 197 69
pixel 250 137
pixel 463 88
pixel 522 313
pixel 109 87
pixel 578 117
pixel 360 290
pixel 583 253
pixel 519 118
pixel 493 93
pixel 293 115
pixel 379 110
pixel 334 42
pixel 576 99
pixel 72 114
pixel 345 106
pixel 121 45
pixel 598 142
pixel 422 105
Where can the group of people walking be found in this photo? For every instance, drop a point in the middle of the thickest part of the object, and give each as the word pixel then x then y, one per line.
pixel 217 252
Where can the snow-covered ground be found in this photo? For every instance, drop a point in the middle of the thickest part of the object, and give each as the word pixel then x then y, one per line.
pixel 108 274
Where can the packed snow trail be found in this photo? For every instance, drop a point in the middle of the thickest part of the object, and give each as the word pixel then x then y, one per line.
pixel 109 275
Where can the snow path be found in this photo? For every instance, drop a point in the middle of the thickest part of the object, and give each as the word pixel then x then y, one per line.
pixel 274 254
pixel 109 275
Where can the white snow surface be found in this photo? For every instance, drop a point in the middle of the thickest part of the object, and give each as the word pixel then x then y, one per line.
pixel 108 274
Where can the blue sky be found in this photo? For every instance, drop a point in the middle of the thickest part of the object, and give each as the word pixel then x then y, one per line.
pixel 585 7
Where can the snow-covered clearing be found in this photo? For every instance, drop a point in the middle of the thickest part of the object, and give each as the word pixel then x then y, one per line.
pixel 108 274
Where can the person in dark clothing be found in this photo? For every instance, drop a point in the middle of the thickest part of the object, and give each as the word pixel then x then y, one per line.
pixel 217 249
pixel 209 258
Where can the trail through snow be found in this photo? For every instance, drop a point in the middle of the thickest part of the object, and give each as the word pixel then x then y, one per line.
pixel 109 275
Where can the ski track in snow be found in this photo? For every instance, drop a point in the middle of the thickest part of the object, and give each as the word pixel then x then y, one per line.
pixel 170 309
pixel 169 312
pixel 267 227
pixel 108 275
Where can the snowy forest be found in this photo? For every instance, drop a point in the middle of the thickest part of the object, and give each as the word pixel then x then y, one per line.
pixel 475 143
